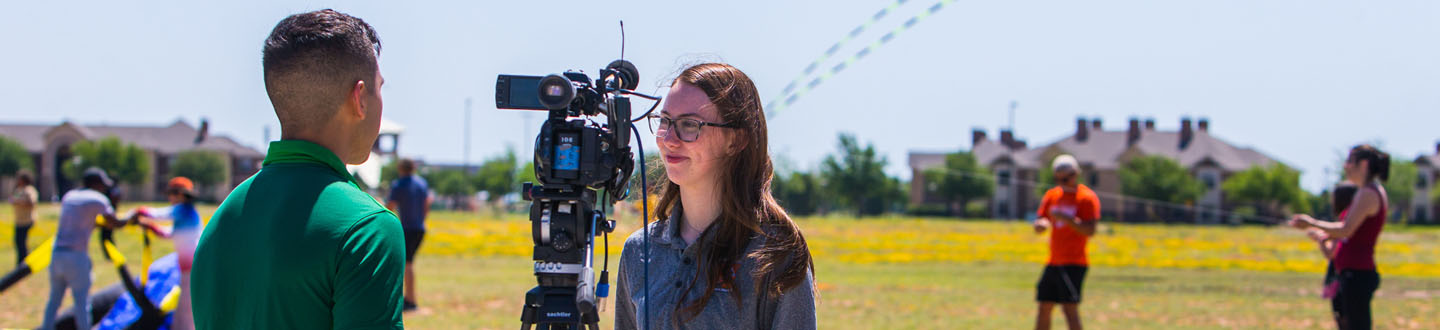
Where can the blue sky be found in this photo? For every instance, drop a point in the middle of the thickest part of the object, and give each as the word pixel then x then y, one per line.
pixel 1299 80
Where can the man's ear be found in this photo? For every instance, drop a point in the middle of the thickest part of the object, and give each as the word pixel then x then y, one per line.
pixel 355 100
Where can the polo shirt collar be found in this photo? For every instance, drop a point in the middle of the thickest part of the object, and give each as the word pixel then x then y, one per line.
pixel 298 151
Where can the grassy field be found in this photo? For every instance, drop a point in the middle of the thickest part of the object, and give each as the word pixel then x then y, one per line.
pixel 912 273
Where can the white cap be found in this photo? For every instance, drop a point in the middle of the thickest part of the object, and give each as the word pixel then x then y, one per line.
pixel 1065 161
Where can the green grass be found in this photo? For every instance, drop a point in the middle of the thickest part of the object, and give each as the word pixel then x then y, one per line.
pixel 460 289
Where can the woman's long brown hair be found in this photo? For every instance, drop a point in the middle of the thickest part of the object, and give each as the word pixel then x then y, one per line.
pixel 747 208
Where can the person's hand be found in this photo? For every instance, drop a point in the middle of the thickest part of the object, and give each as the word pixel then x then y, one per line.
pixel 1300 221
pixel 1316 234
pixel 1041 224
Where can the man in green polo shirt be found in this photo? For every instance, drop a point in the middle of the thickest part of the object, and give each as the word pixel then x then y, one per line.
pixel 299 245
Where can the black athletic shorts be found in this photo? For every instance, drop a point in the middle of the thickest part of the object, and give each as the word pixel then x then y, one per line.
pixel 412 243
pixel 1061 284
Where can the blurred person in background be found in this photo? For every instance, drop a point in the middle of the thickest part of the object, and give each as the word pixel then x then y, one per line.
pixel 22 201
pixel 1071 212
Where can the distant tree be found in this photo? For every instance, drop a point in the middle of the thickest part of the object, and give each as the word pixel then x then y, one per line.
pixel 524 173
pixel 1159 178
pixel 960 181
pixel 496 176
pixel 856 178
pixel 123 162
pixel 13 157
pixel 389 172
pixel 1400 188
pixel 1274 190
pixel 204 167
pixel 453 184
pixel 654 176
pixel 798 192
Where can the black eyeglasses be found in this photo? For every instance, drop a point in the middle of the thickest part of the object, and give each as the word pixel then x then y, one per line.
pixel 687 129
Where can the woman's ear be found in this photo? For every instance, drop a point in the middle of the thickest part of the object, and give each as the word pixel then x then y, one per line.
pixel 736 143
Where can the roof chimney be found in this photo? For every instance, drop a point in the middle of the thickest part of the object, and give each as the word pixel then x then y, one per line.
pixel 1095 124
pixel 1007 138
pixel 1150 124
pixel 1186 133
pixel 1082 129
pixel 1132 134
pixel 1204 125
pixel 204 131
pixel 976 136
pixel 1437 148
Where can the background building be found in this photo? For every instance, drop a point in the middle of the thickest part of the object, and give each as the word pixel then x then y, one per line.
pixel 1016 167
pixel 49 147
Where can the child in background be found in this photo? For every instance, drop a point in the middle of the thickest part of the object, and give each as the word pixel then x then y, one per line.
pixel 185 233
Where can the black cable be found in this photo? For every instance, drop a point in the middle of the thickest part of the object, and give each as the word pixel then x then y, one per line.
pixel 644 226
pixel 642 117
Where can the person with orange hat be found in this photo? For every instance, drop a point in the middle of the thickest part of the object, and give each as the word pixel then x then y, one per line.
pixel 185 233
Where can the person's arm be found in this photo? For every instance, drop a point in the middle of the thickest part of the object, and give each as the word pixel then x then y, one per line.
pixel 795 309
pixel 22 198
pixel 429 199
pixel 368 277
pixel 1086 228
pixel 392 200
pixel 1367 203
pixel 1042 221
pixel 1323 241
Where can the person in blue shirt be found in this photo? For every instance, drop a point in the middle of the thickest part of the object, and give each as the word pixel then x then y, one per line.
pixel 410 198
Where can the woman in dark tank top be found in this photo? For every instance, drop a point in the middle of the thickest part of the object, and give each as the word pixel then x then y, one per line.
pixel 1356 235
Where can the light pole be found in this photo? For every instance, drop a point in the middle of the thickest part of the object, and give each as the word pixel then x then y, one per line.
pixel 466 153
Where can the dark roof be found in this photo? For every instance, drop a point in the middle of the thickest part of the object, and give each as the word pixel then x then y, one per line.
pixel 170 139
pixel 30 136
pixel 1103 150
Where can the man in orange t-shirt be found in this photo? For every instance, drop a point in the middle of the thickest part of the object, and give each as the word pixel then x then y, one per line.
pixel 1071 211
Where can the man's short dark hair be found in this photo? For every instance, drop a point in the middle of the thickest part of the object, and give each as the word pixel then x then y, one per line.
pixel 312 60
pixel 406 166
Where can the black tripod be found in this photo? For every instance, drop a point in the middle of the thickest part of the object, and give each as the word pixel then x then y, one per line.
pixel 564 225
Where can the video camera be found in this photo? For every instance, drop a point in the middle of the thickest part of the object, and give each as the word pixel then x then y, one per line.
pixel 578 160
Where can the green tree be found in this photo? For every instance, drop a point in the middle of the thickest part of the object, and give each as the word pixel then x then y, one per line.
pixel 496 176
pixel 1400 188
pixel 452 184
pixel 124 162
pixel 960 181
pixel 856 177
pixel 1273 190
pixel 1159 178
pixel 206 168
pixel 13 157
pixel 389 173
pixel 654 176
pixel 798 192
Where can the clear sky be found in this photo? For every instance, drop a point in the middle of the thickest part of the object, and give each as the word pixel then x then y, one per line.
pixel 1299 80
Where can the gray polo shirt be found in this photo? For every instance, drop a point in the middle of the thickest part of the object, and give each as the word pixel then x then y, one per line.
pixel 78 209
pixel 673 265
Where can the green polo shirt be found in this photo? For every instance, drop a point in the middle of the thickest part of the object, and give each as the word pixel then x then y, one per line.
pixel 299 246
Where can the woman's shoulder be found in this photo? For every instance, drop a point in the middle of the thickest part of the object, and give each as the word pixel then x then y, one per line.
pixel 637 237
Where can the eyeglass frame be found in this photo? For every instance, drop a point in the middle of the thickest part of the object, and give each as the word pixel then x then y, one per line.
pixel 673 125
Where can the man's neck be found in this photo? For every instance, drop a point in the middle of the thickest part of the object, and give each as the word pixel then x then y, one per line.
pixel 701 207
pixel 333 141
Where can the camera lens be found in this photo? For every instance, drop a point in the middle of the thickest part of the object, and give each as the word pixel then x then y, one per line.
pixel 556 92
